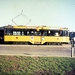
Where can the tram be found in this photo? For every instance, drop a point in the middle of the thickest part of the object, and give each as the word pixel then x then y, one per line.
pixel 34 35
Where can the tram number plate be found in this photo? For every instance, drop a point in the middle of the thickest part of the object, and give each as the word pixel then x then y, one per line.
pixel 32 37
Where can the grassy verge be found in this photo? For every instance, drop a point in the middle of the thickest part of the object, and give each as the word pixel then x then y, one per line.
pixel 21 65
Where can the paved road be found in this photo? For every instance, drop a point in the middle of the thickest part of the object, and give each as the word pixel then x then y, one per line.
pixel 36 50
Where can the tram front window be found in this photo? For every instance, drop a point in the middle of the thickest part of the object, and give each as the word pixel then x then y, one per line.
pixel 65 33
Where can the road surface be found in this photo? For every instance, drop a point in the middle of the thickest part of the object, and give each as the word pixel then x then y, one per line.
pixel 36 50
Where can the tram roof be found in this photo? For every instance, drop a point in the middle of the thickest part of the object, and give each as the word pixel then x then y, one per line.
pixel 35 27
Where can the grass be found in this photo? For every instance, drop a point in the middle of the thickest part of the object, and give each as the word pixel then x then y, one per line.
pixel 22 65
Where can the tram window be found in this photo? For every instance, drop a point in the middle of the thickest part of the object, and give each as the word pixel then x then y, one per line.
pixel 45 33
pixel 22 33
pixel 16 33
pixel 39 33
pixel 8 32
pixel 35 33
pixel 56 34
pixel 32 32
pixel 5 31
pixel 28 33
pixel 61 33
pixel 52 33
pixel 48 33
pixel 65 33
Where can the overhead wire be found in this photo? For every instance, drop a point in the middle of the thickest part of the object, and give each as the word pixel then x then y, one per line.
pixel 23 16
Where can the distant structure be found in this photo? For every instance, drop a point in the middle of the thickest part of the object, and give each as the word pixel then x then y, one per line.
pixel 72 36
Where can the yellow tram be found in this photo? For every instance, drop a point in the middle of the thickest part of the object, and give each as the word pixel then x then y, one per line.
pixel 34 35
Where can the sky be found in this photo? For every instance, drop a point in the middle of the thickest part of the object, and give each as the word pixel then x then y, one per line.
pixel 55 13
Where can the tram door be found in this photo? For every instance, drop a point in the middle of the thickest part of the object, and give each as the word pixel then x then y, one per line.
pixel 36 37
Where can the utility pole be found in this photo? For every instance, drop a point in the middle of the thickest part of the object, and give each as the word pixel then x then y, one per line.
pixel 72 48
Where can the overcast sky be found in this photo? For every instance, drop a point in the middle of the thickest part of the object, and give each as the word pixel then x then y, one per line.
pixel 58 13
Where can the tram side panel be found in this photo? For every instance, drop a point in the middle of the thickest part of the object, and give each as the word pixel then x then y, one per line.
pixel 55 40
pixel 11 38
pixel 23 39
